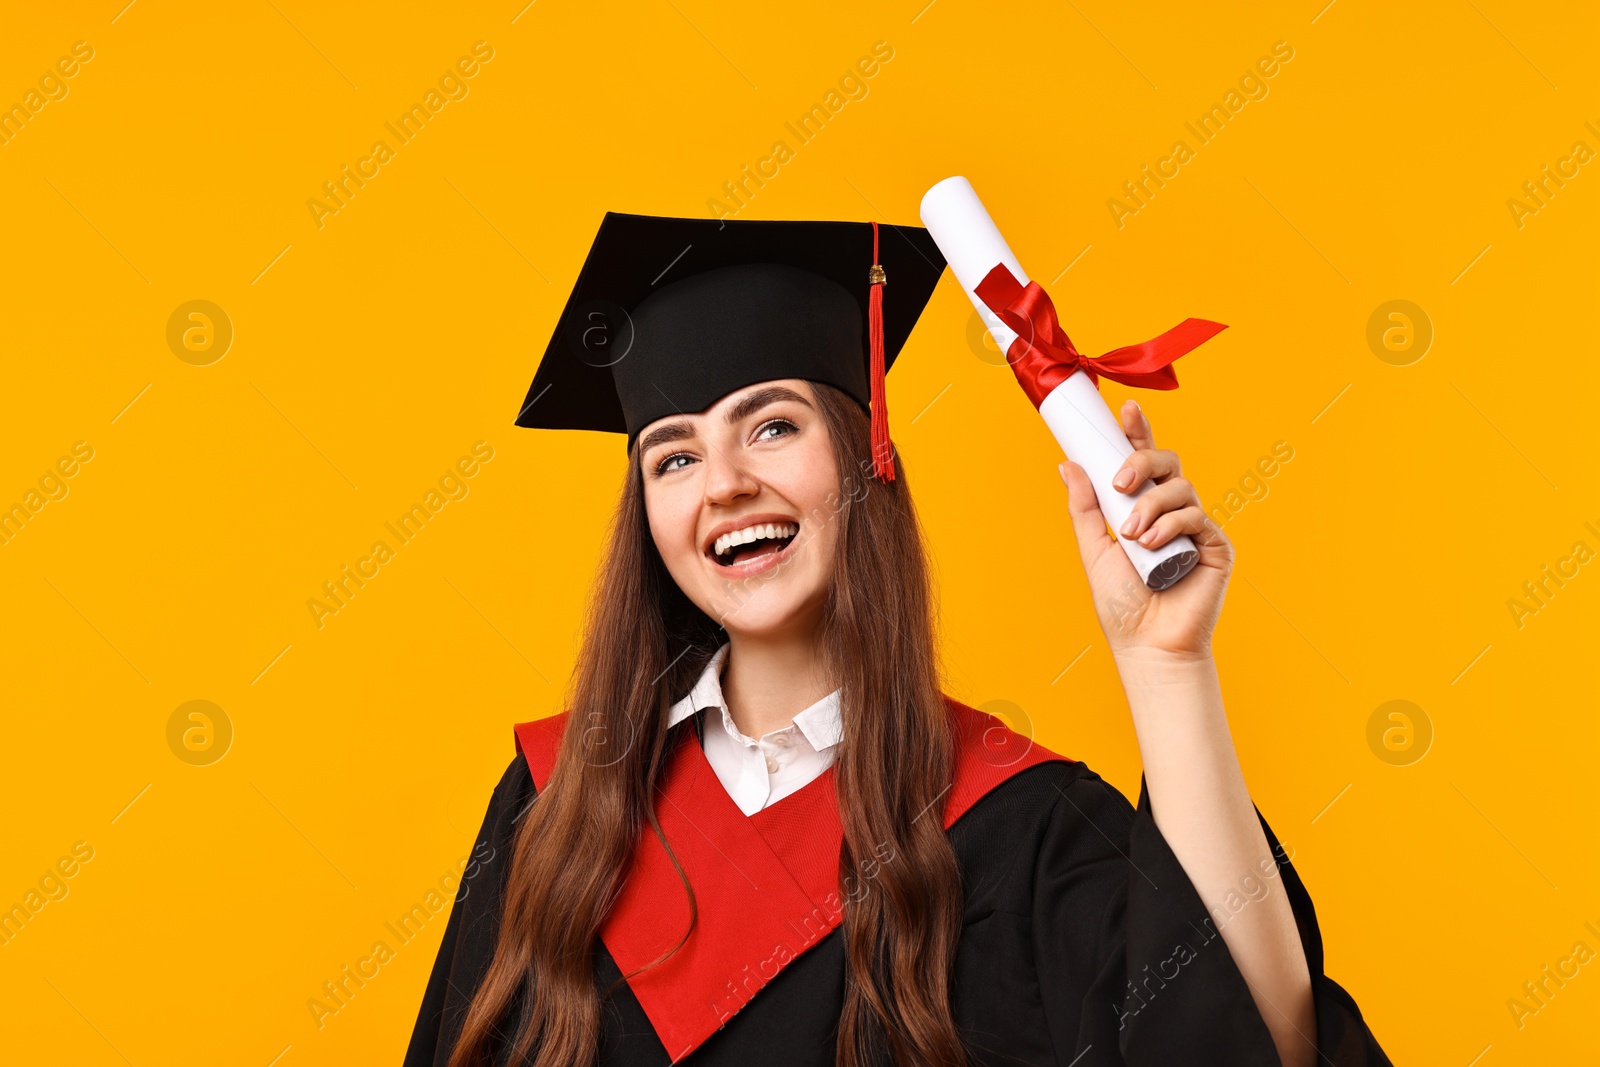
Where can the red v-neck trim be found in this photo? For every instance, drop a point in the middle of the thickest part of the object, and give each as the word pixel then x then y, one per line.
pixel 766 885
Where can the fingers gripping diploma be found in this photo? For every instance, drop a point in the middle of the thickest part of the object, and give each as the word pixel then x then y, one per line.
pixel 1180 619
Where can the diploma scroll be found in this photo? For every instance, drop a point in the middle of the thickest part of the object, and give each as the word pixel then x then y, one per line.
pixel 1073 409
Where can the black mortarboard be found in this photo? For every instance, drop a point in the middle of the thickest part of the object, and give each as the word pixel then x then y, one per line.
pixel 670 315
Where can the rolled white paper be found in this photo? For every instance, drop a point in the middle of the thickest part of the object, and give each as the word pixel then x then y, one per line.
pixel 1074 410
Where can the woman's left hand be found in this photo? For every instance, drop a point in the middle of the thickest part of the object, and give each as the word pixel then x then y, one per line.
pixel 1179 620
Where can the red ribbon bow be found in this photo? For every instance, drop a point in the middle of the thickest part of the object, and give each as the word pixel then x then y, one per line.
pixel 1043 356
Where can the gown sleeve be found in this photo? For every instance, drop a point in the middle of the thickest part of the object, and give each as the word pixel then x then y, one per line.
pixel 1132 968
pixel 474 926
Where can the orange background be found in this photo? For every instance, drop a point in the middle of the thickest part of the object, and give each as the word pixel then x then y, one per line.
pixel 371 353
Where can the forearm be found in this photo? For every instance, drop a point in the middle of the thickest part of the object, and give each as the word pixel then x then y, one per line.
pixel 1203 809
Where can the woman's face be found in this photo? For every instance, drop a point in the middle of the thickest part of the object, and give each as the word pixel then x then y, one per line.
pixel 743 500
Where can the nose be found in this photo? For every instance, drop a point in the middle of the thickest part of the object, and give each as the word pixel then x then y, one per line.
pixel 727 481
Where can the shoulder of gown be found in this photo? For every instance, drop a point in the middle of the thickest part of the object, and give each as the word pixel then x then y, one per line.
pixel 474 925
pixel 1132 968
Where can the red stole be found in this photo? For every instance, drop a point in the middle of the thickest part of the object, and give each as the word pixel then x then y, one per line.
pixel 767 885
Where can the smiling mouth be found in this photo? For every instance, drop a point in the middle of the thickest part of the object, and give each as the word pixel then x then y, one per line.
pixel 751 543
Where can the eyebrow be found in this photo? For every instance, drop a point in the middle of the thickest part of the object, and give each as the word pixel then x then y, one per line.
pixel 673 431
pixel 747 406
pixel 760 399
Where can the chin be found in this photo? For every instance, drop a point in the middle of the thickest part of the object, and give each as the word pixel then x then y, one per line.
pixel 767 611
pixel 772 595
pixel 766 625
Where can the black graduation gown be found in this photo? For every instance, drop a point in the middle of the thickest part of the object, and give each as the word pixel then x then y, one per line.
pixel 1084 943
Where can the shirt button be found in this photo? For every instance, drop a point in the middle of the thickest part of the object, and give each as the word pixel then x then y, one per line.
pixel 781 739
pixel 772 765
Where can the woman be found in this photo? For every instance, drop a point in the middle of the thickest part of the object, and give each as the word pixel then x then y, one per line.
pixel 769 837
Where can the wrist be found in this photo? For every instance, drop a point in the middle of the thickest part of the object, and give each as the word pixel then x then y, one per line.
pixel 1159 669
pixel 1176 704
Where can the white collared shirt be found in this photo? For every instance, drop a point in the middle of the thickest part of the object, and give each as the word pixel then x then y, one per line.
pixel 760 772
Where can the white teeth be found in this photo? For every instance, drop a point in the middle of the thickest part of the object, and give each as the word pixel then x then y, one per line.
pixel 769 530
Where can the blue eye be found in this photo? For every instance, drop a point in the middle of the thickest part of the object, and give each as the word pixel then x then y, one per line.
pixel 667 464
pixel 774 424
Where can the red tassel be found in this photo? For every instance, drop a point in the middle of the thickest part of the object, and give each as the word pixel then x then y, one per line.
pixel 882 449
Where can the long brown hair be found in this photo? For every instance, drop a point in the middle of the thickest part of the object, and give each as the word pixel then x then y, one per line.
pixel 899 879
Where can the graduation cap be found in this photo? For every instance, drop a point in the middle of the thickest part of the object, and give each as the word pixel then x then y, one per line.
pixel 669 315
